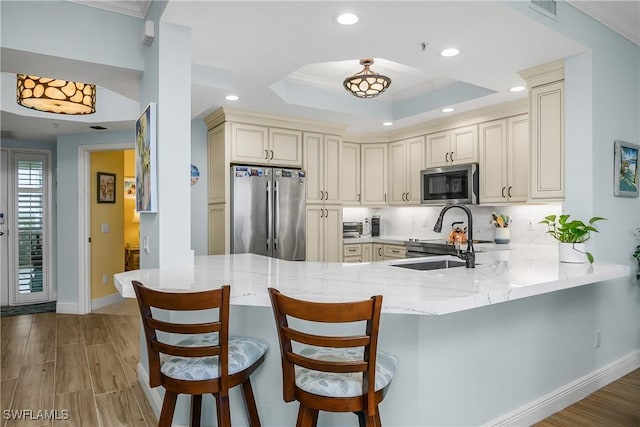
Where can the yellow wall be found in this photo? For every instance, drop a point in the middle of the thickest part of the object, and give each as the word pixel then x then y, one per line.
pixel 107 249
pixel 131 229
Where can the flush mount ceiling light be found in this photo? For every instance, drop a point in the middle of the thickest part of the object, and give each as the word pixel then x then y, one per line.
pixel 387 123
pixel 366 84
pixel 231 97
pixel 517 89
pixel 347 18
pixel 449 52
pixel 447 110
pixel 55 96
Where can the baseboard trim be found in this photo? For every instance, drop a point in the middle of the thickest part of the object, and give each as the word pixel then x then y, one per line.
pixel 105 301
pixel 154 398
pixel 569 394
pixel 67 308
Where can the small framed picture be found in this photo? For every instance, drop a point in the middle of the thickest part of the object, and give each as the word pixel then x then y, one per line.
pixel 625 169
pixel 106 187
pixel 129 187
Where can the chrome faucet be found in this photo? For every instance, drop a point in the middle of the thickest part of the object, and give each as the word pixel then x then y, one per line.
pixel 469 256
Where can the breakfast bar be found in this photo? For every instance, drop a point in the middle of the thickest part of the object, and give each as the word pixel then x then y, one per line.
pixel 468 340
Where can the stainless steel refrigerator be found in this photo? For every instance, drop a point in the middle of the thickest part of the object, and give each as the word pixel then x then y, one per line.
pixel 268 212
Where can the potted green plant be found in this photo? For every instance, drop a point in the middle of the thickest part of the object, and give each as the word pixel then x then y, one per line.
pixel 571 234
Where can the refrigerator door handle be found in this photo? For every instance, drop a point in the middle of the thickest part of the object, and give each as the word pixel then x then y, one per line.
pixel 268 216
pixel 276 215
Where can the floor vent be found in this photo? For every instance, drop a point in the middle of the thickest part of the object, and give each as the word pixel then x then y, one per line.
pixel 548 6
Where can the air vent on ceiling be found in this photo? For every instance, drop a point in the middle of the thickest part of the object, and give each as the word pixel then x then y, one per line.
pixel 546 6
pixel 98 127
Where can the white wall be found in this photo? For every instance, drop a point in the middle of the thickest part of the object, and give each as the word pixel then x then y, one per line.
pixel 199 194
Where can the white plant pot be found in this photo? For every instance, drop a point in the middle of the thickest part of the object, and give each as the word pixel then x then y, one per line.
pixel 573 253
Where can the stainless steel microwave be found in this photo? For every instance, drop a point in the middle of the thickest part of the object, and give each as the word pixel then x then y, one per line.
pixel 450 184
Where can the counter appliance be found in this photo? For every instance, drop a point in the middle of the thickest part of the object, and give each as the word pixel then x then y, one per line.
pixel 268 212
pixel 450 184
pixel 351 229
pixel 375 225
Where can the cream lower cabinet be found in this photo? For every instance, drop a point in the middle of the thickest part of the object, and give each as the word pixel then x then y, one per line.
pixel 357 252
pixel 383 252
pixel 218 229
pixel 377 252
pixel 351 174
pixel 547 141
pixel 373 181
pixel 264 145
pixel 324 233
pixel 504 160
pixel 452 147
pixel 323 167
pixel 406 160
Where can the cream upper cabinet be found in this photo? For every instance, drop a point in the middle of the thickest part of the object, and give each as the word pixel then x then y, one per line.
pixel 504 160
pixel 351 174
pixel 264 145
pixel 547 141
pixel 218 173
pixel 373 181
pixel 452 147
pixel 323 167
pixel 406 160
pixel 324 233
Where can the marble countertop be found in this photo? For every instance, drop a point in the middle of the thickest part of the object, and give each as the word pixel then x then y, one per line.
pixel 501 275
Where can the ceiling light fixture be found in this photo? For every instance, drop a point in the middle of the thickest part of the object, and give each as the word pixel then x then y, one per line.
pixel 55 96
pixel 448 110
pixel 347 19
pixel 366 83
pixel 449 52
pixel 231 97
pixel 517 89
pixel 387 124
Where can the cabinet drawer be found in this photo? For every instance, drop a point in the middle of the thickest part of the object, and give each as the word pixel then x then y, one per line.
pixel 352 250
pixel 352 259
pixel 395 251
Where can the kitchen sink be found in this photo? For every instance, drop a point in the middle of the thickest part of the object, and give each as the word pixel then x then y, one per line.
pixel 431 265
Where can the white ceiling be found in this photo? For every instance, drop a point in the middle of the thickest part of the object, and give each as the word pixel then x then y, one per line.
pixel 289 58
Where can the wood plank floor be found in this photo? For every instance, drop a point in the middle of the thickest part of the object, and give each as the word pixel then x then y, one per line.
pixel 83 364
pixel 617 404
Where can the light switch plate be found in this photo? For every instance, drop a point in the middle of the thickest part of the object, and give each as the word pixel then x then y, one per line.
pixel 104 228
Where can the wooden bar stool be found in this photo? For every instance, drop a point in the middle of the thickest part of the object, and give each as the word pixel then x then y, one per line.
pixel 332 373
pixel 206 359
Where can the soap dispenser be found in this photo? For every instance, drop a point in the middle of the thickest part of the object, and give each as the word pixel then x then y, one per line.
pixel 366 228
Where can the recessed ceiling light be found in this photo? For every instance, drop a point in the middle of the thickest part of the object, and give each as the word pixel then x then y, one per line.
pixel 347 18
pixel 452 51
pixel 387 124
pixel 447 110
pixel 231 97
pixel 517 89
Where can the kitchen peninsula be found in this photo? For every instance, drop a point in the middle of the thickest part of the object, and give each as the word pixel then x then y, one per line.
pixel 456 369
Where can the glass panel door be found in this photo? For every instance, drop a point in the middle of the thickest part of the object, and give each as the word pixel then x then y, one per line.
pixel 32 228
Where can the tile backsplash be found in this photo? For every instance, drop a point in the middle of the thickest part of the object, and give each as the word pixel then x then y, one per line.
pixel 418 221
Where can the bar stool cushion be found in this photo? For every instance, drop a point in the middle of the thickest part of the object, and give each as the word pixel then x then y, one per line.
pixel 342 385
pixel 243 352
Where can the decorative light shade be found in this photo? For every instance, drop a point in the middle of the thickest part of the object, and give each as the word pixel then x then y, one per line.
pixel 56 96
pixel 366 84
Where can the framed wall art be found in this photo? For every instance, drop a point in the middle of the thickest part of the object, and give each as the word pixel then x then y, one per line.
pixel 106 187
pixel 626 169
pixel 129 187
pixel 146 179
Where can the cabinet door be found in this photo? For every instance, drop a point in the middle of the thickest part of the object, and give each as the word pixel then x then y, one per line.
pixel 350 174
pixel 493 161
pixel 333 233
pixel 218 172
pixel 464 145
pixel 373 180
pixel 313 166
pixel 397 173
pixel 285 147
pixel 394 252
pixel 217 234
pixel 378 254
pixel 367 252
pixel 332 169
pixel 438 149
pixel 547 141
pixel 518 155
pixel 415 164
pixel 249 143
pixel 315 233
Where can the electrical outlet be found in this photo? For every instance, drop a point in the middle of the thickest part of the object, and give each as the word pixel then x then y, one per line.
pixel 530 226
pixel 105 279
pixel 597 338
